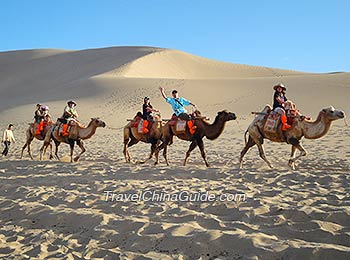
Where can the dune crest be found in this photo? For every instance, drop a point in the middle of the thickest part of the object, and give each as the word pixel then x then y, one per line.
pixel 175 64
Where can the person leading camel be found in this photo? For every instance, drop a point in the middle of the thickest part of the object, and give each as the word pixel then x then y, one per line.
pixel 279 99
pixel 147 110
pixel 69 114
pixel 178 104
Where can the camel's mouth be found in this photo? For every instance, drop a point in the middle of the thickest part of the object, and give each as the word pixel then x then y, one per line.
pixel 341 114
pixel 233 116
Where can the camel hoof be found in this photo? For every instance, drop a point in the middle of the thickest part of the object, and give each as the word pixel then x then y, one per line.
pixel 76 159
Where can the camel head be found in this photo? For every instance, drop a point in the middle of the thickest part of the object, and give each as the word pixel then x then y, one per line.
pixel 332 114
pixel 226 116
pixel 98 122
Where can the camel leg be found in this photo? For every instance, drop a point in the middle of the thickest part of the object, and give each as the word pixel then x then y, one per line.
pixel 44 152
pixel 43 149
pixel 262 154
pixel 130 143
pixel 201 148
pixel 248 145
pixel 153 150
pixel 193 145
pixel 156 152
pixel 23 148
pixel 71 145
pixel 29 141
pixel 57 144
pixel 302 150
pixel 291 162
pixel 167 141
pixel 51 156
pixel 81 146
pixel 163 146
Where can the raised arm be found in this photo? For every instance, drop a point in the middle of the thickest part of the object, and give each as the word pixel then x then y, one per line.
pixel 163 92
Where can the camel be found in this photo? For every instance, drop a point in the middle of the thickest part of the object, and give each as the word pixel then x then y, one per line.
pixel 204 129
pixel 31 134
pixel 132 137
pixel 77 134
pixel 300 128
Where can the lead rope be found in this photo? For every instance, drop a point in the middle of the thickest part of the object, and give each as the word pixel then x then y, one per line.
pixel 114 128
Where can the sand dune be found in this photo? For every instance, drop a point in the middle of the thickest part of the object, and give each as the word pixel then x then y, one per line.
pixel 57 210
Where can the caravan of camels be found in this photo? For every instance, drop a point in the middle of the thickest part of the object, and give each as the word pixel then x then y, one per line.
pixel 281 123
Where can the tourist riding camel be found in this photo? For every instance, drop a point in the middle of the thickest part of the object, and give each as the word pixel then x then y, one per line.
pixel 147 110
pixel 38 129
pixel 69 114
pixel 178 105
pixel 41 117
pixel 279 100
pixel 301 127
pixel 134 133
pixel 203 129
pixel 77 134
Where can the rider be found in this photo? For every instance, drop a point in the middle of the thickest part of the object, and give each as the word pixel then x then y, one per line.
pixel 38 118
pixel 147 110
pixel 279 100
pixel 69 114
pixel 178 104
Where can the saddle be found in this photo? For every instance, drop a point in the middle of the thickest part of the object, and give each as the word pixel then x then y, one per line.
pixel 272 122
pixel 64 128
pixel 143 126
pixel 180 125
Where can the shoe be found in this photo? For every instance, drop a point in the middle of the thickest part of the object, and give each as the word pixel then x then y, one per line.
pixel 144 127
pixel 191 127
pixel 285 126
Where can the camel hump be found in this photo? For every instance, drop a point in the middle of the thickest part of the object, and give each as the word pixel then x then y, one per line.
pixel 267 109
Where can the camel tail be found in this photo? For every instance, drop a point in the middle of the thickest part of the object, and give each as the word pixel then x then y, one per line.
pixel 245 137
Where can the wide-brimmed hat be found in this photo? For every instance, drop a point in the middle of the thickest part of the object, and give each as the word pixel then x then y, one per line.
pixel 281 86
pixel 71 102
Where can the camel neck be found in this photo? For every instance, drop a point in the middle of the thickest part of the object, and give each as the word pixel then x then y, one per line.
pixel 215 129
pixel 87 132
pixel 316 129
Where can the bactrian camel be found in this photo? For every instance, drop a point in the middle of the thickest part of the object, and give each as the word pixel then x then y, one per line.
pixel 204 129
pixel 77 134
pixel 300 128
pixel 132 137
pixel 31 134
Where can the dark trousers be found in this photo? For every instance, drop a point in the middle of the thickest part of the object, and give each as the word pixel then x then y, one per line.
pixel 7 147
pixel 184 116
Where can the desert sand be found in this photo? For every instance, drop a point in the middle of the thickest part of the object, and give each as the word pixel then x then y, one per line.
pixel 58 210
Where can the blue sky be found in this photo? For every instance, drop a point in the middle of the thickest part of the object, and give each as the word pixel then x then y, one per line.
pixel 304 35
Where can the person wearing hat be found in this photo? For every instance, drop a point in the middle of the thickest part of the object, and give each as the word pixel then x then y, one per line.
pixel 42 117
pixel 69 114
pixel 147 110
pixel 38 113
pixel 279 100
pixel 178 104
